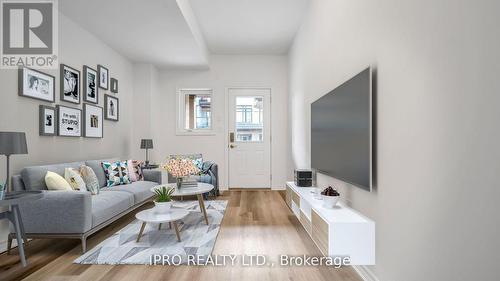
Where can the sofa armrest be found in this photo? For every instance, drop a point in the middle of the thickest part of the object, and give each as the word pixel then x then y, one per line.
pixel 152 175
pixel 58 212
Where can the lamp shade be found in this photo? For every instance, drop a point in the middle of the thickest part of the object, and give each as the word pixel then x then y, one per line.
pixel 13 143
pixel 146 143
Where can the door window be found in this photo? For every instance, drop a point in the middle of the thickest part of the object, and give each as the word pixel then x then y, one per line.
pixel 249 119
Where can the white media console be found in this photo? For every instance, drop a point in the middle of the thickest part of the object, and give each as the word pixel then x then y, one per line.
pixel 340 231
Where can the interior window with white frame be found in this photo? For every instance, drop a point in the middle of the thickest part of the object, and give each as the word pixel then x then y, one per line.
pixel 194 111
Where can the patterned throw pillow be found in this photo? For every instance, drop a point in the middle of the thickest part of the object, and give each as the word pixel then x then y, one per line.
pixel 74 179
pixel 198 162
pixel 116 173
pixel 125 178
pixel 90 179
pixel 135 170
pixel 112 172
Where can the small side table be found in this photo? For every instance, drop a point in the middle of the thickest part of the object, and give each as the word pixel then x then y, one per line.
pixel 151 216
pixel 13 199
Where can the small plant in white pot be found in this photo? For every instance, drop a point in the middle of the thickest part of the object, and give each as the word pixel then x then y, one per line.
pixel 330 197
pixel 163 200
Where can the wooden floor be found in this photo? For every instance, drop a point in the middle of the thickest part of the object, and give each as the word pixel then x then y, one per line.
pixel 255 222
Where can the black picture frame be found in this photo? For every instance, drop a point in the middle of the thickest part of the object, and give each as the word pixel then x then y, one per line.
pixel 24 87
pixel 100 70
pixel 85 85
pixel 62 133
pixel 42 120
pixel 108 109
pixel 86 109
pixel 113 85
pixel 62 71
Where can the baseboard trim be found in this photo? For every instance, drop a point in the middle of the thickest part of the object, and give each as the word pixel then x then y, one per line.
pixel 365 273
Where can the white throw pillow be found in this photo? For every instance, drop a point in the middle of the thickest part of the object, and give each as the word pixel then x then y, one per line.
pixel 74 179
pixel 56 182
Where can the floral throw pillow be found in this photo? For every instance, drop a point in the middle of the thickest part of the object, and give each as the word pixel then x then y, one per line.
pixel 135 170
pixel 74 179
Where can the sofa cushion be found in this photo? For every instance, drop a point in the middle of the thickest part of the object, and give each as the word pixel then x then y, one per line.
pixel 98 170
pixel 90 179
pixel 74 178
pixel 54 181
pixel 106 205
pixel 34 176
pixel 135 170
pixel 141 190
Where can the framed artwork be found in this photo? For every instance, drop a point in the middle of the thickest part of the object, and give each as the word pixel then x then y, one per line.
pixel 92 121
pixel 69 121
pixel 90 88
pixel 70 84
pixel 103 73
pixel 114 85
pixel 36 85
pixel 47 119
pixel 111 108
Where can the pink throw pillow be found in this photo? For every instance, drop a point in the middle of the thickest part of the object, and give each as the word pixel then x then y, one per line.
pixel 135 171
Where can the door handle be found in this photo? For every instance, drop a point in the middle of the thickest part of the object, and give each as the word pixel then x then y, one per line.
pixel 232 145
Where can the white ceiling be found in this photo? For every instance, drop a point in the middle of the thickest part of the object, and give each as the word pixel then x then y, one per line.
pixel 249 26
pixel 183 33
pixel 152 31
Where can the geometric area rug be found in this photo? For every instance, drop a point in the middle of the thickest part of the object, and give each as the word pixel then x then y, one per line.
pixel 198 238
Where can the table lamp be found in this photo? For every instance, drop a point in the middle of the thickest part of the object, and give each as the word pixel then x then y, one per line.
pixel 147 144
pixel 12 143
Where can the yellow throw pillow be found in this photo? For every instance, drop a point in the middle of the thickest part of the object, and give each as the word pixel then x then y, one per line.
pixel 56 182
pixel 74 179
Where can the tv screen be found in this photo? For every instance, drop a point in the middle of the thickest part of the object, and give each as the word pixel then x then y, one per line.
pixel 341 132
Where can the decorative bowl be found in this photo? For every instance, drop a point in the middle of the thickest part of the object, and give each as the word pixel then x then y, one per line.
pixel 330 201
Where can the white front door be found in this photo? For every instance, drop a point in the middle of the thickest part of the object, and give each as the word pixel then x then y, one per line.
pixel 249 138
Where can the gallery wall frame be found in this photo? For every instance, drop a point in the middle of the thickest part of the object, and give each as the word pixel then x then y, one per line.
pixel 36 84
pixel 69 121
pixel 103 74
pixel 69 84
pixel 114 85
pixel 47 120
pixel 111 108
pixel 90 88
pixel 93 125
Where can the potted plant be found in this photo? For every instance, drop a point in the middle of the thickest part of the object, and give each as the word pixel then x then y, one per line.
pixel 330 197
pixel 163 200
pixel 180 168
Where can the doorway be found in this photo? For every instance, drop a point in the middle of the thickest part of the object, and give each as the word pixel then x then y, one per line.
pixel 249 138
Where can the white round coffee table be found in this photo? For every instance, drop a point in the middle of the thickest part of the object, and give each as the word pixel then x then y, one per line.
pixel 194 190
pixel 151 216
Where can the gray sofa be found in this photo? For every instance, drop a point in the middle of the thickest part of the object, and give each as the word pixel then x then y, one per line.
pixel 75 214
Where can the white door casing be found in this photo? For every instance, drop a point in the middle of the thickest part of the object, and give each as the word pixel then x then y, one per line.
pixel 249 137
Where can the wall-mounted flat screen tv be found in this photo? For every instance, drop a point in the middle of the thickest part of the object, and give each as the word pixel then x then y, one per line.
pixel 341 132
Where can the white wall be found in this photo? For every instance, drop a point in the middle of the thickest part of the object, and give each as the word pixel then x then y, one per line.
pixel 224 72
pixel 437 70
pixel 145 84
pixel 76 48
